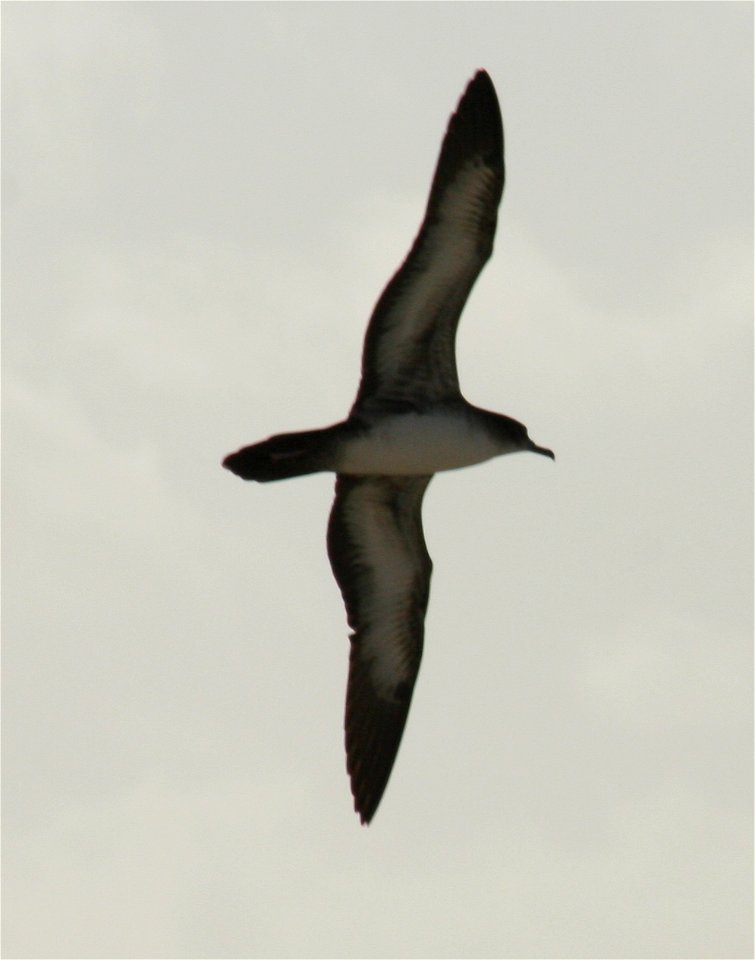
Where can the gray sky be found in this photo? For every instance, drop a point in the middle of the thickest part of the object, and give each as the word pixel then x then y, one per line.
pixel 201 204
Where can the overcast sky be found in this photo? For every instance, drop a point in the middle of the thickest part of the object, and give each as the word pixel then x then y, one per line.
pixel 202 203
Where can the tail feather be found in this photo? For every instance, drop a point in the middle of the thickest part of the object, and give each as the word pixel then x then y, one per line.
pixel 282 456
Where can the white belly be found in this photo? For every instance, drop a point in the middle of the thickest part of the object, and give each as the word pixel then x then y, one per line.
pixel 416 444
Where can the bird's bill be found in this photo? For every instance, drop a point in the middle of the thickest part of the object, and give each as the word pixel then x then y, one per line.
pixel 544 450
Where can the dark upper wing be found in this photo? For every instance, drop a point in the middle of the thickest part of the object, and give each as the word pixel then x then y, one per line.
pixel 379 558
pixel 409 351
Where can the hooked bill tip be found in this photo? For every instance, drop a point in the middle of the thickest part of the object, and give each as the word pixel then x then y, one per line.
pixel 544 450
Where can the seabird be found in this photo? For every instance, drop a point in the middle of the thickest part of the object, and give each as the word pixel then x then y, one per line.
pixel 408 422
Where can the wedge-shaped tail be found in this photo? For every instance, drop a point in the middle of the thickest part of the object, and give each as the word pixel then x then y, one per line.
pixel 284 455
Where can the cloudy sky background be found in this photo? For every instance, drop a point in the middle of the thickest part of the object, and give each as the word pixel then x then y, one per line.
pixel 201 204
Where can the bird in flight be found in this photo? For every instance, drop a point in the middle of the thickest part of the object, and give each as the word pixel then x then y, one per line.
pixel 409 421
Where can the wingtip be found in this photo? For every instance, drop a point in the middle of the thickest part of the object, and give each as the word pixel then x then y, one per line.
pixel 481 111
pixel 366 793
pixel 480 75
pixel 481 79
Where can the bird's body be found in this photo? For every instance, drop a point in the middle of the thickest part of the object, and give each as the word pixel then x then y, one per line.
pixel 446 436
pixel 418 443
pixel 408 422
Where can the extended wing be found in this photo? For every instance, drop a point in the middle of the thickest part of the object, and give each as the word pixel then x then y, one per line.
pixel 379 558
pixel 409 349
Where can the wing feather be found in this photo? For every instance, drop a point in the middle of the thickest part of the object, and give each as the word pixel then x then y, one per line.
pixel 409 349
pixel 377 551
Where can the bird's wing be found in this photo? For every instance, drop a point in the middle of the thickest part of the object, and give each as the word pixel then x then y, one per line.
pixel 379 558
pixel 409 349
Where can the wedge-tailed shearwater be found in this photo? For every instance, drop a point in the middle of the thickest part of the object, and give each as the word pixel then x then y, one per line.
pixel 408 422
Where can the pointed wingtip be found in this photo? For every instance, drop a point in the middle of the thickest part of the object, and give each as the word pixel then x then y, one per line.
pixel 482 79
pixel 479 80
pixel 481 75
